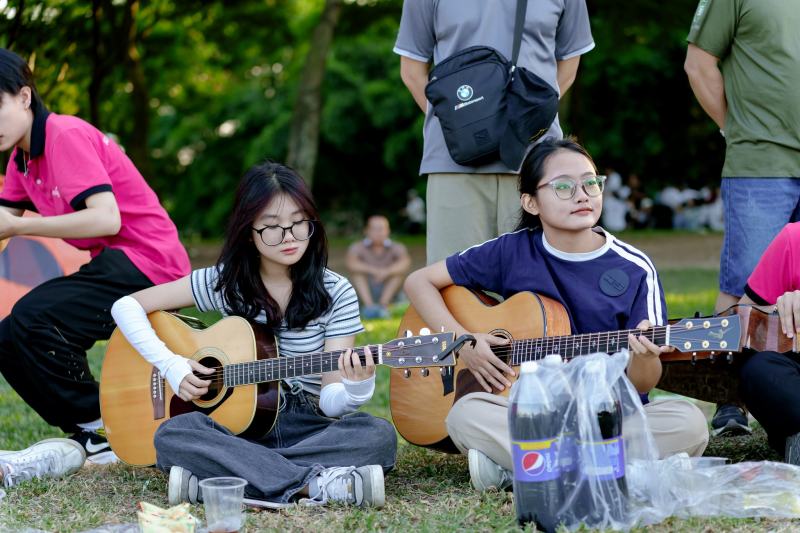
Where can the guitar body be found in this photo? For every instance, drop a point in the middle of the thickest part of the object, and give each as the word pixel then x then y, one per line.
pixel 421 403
pixel 135 400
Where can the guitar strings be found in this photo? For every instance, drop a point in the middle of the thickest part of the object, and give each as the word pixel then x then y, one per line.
pixel 505 351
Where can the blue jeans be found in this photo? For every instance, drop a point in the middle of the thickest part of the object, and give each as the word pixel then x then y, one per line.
pixel 302 444
pixel 756 209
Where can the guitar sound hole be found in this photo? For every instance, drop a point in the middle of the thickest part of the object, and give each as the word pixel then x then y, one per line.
pixel 216 379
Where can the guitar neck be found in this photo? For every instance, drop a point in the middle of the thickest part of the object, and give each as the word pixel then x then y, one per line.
pixel 278 368
pixel 570 346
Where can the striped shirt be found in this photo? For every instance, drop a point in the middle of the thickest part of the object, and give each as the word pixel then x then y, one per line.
pixel 341 320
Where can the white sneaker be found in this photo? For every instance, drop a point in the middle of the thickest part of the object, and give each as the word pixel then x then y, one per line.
pixel 347 484
pixel 47 458
pixel 182 486
pixel 485 474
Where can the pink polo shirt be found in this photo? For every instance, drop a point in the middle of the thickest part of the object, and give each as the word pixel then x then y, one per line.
pixel 77 161
pixel 778 270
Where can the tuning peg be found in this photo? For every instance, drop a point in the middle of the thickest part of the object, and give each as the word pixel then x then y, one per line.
pixel 409 333
pixel 424 372
pixel 424 331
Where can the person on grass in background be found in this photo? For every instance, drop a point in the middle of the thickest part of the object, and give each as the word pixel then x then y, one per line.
pixel 272 270
pixel 91 195
pixel 559 252
pixel 743 64
pixel 770 381
pixel 377 267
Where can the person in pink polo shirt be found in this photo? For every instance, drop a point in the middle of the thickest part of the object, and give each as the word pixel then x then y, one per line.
pixel 770 381
pixel 91 195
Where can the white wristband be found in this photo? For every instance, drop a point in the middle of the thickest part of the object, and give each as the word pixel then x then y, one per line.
pixel 340 398
pixel 132 321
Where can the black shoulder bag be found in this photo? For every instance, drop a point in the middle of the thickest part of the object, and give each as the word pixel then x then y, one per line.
pixel 488 108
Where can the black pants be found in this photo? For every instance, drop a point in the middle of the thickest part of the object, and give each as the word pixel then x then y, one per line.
pixel 770 386
pixel 43 341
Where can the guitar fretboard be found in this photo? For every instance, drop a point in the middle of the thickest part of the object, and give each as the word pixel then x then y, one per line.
pixel 264 370
pixel 569 346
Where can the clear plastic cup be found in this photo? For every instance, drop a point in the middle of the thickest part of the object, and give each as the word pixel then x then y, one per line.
pixel 222 499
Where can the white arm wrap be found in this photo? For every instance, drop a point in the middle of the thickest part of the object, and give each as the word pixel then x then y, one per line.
pixel 337 399
pixel 132 321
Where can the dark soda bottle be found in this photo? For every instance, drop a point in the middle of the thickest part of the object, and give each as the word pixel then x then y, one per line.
pixel 561 392
pixel 603 490
pixel 534 424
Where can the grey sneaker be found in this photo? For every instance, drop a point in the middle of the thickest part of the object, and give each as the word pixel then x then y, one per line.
pixel 182 486
pixel 729 421
pixel 361 486
pixel 485 474
pixel 792 450
pixel 46 458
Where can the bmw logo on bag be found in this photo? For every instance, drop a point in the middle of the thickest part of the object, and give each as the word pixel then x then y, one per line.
pixel 464 93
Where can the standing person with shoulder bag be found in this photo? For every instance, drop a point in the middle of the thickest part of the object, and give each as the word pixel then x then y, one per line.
pixel 552 37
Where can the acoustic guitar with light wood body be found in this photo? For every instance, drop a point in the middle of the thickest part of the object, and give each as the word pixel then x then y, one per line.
pixel 538 326
pixel 244 395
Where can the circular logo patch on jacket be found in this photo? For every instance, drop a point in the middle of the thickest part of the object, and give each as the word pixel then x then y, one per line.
pixel 614 282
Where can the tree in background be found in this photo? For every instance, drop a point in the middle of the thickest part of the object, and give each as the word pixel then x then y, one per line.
pixel 197 91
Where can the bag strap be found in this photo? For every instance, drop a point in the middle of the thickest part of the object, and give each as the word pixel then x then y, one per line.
pixel 519 24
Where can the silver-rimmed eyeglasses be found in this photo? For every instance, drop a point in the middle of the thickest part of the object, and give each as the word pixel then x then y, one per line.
pixel 301 230
pixel 564 187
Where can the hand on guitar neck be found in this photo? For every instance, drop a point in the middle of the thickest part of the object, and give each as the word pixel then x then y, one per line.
pixel 644 368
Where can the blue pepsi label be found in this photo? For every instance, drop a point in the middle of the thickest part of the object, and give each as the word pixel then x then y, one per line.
pixel 535 460
pixel 568 452
pixel 603 460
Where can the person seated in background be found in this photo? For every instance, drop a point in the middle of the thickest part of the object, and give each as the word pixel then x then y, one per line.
pixel 377 267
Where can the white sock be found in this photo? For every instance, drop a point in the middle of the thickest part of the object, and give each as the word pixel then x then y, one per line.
pixel 313 488
pixel 92 426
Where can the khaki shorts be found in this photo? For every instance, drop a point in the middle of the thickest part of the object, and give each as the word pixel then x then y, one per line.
pixel 468 209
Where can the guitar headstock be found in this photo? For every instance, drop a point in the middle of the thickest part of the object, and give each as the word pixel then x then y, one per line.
pixel 426 349
pixel 706 334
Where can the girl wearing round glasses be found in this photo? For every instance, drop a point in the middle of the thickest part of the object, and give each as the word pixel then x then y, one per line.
pixel 557 251
pixel 272 269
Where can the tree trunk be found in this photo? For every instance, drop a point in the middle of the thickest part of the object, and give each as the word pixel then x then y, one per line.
pixel 304 132
pixel 98 67
pixel 137 146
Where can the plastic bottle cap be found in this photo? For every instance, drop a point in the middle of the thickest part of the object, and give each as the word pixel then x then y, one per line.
pixel 529 367
pixel 552 359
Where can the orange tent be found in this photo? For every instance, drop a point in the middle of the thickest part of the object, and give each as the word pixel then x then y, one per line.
pixel 29 261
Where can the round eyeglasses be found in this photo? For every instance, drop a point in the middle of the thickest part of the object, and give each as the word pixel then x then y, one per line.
pixel 564 187
pixel 273 235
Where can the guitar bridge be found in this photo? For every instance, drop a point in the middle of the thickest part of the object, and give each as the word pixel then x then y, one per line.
pixel 157 394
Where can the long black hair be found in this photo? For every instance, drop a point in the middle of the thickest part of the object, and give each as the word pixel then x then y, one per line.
pixel 14 75
pixel 532 172
pixel 240 280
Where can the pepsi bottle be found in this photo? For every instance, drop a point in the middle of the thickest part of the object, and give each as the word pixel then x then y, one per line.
pixel 603 491
pixel 534 424
pixel 561 392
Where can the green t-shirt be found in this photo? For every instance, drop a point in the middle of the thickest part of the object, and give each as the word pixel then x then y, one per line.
pixel 758 44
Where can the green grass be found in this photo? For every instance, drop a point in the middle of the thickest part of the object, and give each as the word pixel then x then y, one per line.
pixel 427 491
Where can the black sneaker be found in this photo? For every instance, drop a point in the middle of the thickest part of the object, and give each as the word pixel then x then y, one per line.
pixel 730 420
pixel 98 451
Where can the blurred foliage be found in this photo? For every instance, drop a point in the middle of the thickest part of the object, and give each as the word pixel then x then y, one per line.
pixel 221 78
